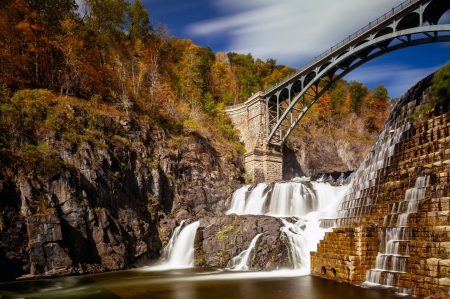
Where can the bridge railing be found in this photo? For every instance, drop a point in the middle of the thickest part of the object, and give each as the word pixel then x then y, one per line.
pixel 238 106
pixel 344 42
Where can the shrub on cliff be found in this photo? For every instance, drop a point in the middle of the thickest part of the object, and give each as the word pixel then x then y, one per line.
pixel 441 88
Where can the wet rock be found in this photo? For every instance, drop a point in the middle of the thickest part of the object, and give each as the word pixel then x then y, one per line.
pixel 221 238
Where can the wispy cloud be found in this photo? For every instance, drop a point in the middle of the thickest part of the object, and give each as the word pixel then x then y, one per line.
pixel 293 31
pixel 398 77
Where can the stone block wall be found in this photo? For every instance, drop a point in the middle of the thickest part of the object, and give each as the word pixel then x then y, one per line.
pixel 346 254
pixel 423 150
pixel 263 162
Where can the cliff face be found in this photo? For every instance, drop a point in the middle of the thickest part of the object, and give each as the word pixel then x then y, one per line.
pixel 312 155
pixel 96 203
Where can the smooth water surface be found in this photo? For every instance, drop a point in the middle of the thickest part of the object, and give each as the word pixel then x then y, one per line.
pixel 192 283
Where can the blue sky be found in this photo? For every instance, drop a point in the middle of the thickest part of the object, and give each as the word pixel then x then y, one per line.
pixel 295 31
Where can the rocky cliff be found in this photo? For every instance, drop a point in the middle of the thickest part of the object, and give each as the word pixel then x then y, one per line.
pixel 315 154
pixel 105 196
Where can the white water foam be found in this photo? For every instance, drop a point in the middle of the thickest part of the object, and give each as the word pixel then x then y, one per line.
pixel 310 213
pixel 243 260
pixel 179 251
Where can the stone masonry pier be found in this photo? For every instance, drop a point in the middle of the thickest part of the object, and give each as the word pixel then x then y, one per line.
pixel 263 161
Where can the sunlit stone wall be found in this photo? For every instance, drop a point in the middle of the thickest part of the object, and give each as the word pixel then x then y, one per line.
pixel 345 254
pixel 423 149
pixel 263 163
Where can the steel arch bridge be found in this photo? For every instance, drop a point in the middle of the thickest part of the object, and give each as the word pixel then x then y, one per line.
pixel 412 23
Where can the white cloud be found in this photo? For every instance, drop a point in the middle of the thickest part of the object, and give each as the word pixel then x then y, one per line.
pixel 292 31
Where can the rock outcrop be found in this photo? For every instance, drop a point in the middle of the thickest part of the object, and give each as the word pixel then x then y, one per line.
pixel 98 204
pixel 310 155
pixel 219 239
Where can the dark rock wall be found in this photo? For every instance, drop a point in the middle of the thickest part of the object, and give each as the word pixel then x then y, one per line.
pixel 310 155
pixel 107 206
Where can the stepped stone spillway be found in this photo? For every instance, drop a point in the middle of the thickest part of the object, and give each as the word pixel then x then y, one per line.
pixel 379 203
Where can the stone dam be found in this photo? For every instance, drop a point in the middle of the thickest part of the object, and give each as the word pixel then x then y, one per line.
pixel 392 228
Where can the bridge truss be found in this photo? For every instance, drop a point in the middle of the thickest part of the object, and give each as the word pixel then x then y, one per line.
pixel 412 23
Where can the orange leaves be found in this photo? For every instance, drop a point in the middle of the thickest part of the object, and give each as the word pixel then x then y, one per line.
pixel 21 44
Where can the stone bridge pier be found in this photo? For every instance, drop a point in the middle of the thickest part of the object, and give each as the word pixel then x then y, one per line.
pixel 263 161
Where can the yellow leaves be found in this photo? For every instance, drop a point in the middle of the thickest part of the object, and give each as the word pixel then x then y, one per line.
pixel 347 103
pixel 221 56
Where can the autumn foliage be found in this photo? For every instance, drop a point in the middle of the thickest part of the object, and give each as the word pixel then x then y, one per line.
pixel 110 52
pixel 348 109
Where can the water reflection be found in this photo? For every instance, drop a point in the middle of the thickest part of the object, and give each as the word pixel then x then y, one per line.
pixel 191 283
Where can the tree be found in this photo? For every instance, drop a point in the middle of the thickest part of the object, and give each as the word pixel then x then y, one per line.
pixel 221 86
pixel 381 93
pixel 22 45
pixel 339 93
pixel 357 93
pixel 107 19
pixel 138 21
pixel 51 12
pixel 247 81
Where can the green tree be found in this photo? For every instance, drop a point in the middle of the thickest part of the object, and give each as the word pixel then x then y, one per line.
pixel 52 12
pixel 138 21
pixel 338 95
pixel 247 80
pixel 106 18
pixel 357 93
pixel 381 93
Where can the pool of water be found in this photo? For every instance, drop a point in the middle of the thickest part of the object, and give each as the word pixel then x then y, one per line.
pixel 191 283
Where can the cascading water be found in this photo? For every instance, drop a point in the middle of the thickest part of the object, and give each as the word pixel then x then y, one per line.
pixel 167 251
pixel 295 200
pixel 394 253
pixel 311 211
pixel 253 205
pixel 179 251
pixel 362 194
pixel 243 259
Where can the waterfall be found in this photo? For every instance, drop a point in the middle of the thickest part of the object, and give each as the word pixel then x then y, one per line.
pixel 286 199
pixel 167 251
pixel 341 179
pixel 310 213
pixel 241 261
pixel 358 201
pixel 303 237
pixel 291 199
pixel 180 248
pixel 237 204
pixel 390 259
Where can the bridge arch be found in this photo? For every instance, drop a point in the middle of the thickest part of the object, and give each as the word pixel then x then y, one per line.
pixel 414 22
pixel 268 117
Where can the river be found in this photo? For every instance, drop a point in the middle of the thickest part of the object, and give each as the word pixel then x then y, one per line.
pixel 191 283
pixel 177 279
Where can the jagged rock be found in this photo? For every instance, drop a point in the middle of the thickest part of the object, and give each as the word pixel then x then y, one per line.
pixel 110 206
pixel 313 155
pixel 221 238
